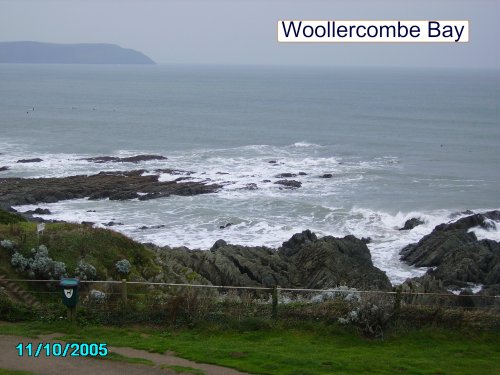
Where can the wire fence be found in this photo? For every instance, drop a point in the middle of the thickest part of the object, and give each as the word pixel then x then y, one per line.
pixel 134 301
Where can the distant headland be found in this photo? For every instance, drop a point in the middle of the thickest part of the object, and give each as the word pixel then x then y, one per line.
pixel 51 53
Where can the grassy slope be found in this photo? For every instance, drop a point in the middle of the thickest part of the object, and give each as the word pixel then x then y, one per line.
pixel 311 349
pixel 71 242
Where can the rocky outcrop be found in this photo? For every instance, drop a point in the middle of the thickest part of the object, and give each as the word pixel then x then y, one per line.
pixel 39 211
pixel 112 185
pixel 411 223
pixel 34 160
pixel 330 261
pixel 304 261
pixel 4 168
pixel 130 159
pixel 456 256
pixel 285 175
pixel 290 184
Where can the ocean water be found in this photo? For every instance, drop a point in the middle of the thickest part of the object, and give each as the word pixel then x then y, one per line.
pixel 399 143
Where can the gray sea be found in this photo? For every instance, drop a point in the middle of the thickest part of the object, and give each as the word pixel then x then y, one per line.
pixel 398 143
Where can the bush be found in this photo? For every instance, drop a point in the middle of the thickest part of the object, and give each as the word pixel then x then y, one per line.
pixel 85 271
pixel 96 296
pixel 123 266
pixel 371 315
pixel 7 244
pixel 40 266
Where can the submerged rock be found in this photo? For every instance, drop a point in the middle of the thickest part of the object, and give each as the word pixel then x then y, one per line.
pixel 4 168
pixel 40 211
pixel 412 223
pixel 129 159
pixel 291 184
pixel 35 160
pixel 285 175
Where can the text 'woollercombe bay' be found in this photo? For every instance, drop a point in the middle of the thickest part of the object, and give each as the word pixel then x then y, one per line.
pixel 373 31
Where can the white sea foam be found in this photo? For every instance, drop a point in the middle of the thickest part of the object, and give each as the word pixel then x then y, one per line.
pixel 492 232
pixel 267 216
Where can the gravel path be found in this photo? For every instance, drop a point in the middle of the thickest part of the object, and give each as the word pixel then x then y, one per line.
pixel 9 359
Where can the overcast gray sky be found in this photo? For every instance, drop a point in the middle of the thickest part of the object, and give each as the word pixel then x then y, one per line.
pixel 244 32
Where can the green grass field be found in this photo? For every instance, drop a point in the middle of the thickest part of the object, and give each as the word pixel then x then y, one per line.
pixel 310 349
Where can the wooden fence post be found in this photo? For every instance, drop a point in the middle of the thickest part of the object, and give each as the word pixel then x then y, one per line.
pixel 275 296
pixel 397 302
pixel 124 291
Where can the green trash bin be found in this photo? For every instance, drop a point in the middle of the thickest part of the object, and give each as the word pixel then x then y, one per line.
pixel 69 288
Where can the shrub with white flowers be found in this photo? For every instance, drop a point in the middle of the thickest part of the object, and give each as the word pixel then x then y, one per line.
pixel 96 296
pixel 339 293
pixel 123 266
pixel 85 271
pixel 40 265
pixel 370 314
pixel 19 262
pixel 7 244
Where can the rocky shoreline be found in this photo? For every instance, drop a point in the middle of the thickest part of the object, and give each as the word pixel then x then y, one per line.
pixel 113 185
pixel 304 261
pixel 455 257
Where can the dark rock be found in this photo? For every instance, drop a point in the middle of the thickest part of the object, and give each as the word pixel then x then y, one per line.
pixel 102 159
pixel 266 181
pixel 144 227
pixel 91 210
pixel 326 175
pixel 112 185
pixel 123 196
pixel 291 184
pixel 302 174
pixel 222 173
pixel 183 179
pixel 35 160
pixel 174 171
pixel 329 262
pixel 225 226
pixel 112 224
pixel 311 263
pixel 285 175
pixel 412 223
pixel 366 240
pixel 456 214
pixel 291 246
pixel 130 159
pixel 272 162
pixel 218 244
pixel 456 255
pixel 42 211
pixel 5 168
pixel 139 158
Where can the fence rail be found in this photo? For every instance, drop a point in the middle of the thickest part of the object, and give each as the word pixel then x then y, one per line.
pixel 124 301
pixel 269 289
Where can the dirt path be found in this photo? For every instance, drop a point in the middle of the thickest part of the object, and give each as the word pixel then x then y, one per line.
pixel 9 359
